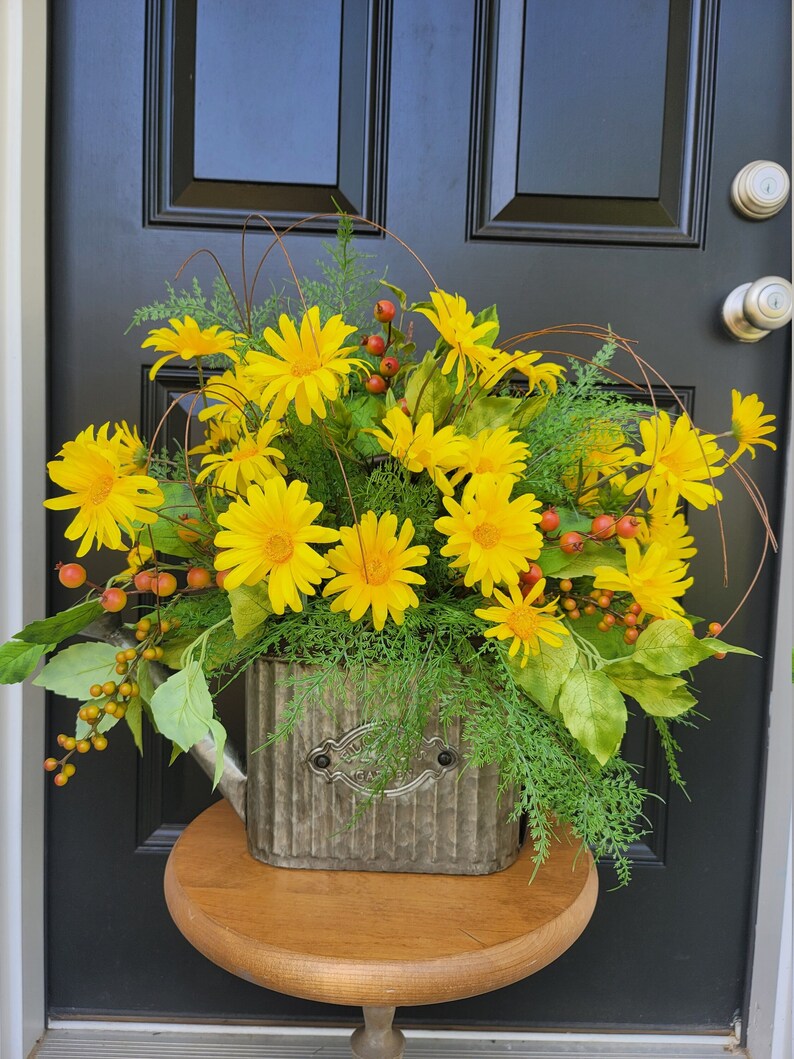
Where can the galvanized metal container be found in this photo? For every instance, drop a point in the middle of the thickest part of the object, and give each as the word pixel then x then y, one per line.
pixel 304 791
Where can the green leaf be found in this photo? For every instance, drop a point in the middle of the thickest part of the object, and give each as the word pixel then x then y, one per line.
pixel 173 648
pixel 555 563
pixel 487 412
pixel 134 719
pixel 177 500
pixel 18 660
pixel 594 712
pixel 182 706
pixel 366 412
pixel 427 390
pixel 669 647
pixel 402 298
pixel 544 674
pixel 61 626
pixel 72 671
pixel 489 315
pixel 657 695
pixel 608 644
pixel 250 608
pixel 219 735
pixel 719 646
pixel 528 409
pixel 144 680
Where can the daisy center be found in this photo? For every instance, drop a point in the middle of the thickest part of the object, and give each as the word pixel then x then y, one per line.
pixel 523 622
pixel 245 454
pixel 487 535
pixel 378 570
pixel 305 365
pixel 100 490
pixel 485 466
pixel 278 547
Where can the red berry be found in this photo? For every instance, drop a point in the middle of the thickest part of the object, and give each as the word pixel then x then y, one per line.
pixel 602 626
pixel 720 654
pixel 143 580
pixel 602 527
pixel 549 520
pixel 589 609
pixel 403 406
pixel 72 575
pixel 715 628
pixel 220 577
pixel 113 600
pixel 635 608
pixel 189 536
pixel 198 577
pixel 631 635
pixel 164 584
pixel 384 311
pixel 389 367
pixel 603 602
pixel 609 619
pixel 376 384
pixel 531 576
pixel 375 345
pixel 627 527
pixel 574 614
pixel 571 542
pixel 630 619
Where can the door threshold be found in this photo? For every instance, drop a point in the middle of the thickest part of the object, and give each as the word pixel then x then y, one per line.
pixel 103 1040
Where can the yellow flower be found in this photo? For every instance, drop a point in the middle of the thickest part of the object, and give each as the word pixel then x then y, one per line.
pixel 602 453
pixel 308 368
pixel 107 499
pixel 420 448
pixel 517 619
pixel 467 340
pixel 749 424
pixel 491 535
pixel 268 535
pixel 681 461
pixel 134 454
pixel 492 452
pixel 187 341
pixel 665 525
pixel 546 375
pixel 138 557
pixel 220 433
pixel 373 564
pixel 252 461
pixel 230 397
pixel 654 579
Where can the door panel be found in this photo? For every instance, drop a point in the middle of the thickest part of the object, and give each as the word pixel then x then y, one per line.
pixel 565 167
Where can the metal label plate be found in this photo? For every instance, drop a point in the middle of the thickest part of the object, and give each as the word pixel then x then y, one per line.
pixel 348 760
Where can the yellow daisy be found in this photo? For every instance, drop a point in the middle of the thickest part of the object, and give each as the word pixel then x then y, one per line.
pixel 220 433
pixel 421 448
pixel 490 535
pixel 373 564
pixel 187 341
pixel 602 453
pixel 664 524
pixel 547 375
pixel 231 400
pixel 681 461
pixel 138 558
pixel 251 461
pixel 133 452
pixel 749 424
pixel 517 619
pixel 653 578
pixel 492 452
pixel 108 499
pixel 309 368
pixel 268 535
pixel 468 347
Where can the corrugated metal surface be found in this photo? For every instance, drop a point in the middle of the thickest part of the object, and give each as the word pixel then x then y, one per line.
pixel 83 1044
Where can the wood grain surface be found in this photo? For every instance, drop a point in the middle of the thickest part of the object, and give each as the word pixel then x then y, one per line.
pixel 360 938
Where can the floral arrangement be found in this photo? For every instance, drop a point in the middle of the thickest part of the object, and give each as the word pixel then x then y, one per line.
pixel 476 529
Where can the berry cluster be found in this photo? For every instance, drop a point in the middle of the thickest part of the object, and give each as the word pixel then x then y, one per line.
pixel 378 346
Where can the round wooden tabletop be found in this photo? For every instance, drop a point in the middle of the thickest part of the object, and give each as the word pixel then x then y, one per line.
pixel 372 938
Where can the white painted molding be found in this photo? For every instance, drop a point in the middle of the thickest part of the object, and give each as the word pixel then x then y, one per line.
pixel 23 92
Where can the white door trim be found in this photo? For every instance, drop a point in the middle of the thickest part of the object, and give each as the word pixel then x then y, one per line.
pixel 23 93
pixel 23 129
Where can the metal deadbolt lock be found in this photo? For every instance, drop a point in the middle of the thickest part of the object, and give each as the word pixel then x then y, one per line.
pixel 760 190
pixel 752 310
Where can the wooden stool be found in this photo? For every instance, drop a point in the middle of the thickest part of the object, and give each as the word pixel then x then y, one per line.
pixel 375 939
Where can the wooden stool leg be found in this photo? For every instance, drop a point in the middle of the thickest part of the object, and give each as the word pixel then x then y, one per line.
pixel 377 1038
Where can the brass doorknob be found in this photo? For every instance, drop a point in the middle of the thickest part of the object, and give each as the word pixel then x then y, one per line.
pixel 752 310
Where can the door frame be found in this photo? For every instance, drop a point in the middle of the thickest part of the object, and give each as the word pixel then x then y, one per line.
pixel 24 35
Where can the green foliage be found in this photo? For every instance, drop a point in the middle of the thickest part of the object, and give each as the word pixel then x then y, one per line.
pixel 182 706
pixel 594 712
pixel 347 286
pixel 18 660
pixel 250 608
pixel 61 626
pixel 72 671
pixel 660 696
pixel 427 390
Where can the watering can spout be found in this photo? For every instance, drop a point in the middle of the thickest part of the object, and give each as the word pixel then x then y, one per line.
pixel 232 783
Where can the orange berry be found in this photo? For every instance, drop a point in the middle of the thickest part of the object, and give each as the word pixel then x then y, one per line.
pixel 720 654
pixel 631 635
pixel 109 688
pixel 121 668
pixel 83 746
pixel 164 584
pixel 569 604
pixel 589 609
pixel 113 600
pixel 69 769
pixel 110 707
pixel 715 628
pixel 100 742
pixel 91 713
pixel 60 780
pixel 130 654
pixel 566 585
pixel 220 577
pixel 69 743
pixel 50 764
pixel 189 536
pixel 95 691
pixel 72 575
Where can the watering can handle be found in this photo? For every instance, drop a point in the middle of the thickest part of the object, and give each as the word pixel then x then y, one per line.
pixel 233 781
